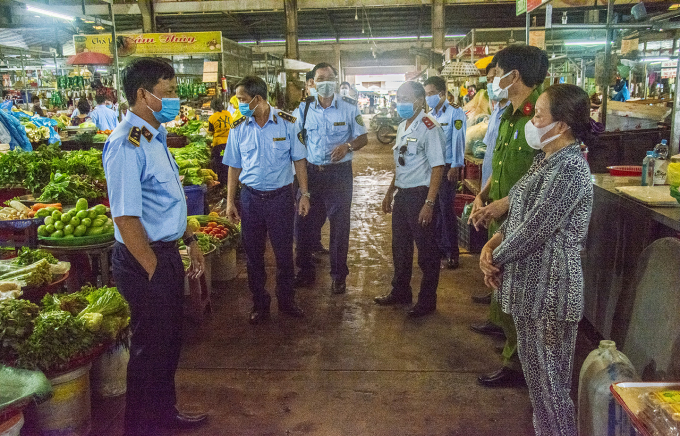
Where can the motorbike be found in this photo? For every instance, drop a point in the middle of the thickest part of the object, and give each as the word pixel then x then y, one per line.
pixel 385 127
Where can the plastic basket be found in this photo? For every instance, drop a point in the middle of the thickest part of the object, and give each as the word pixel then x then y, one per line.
pixel 469 238
pixel 625 170
pixel 195 199
pixel 17 233
pixel 460 202
pixel 79 241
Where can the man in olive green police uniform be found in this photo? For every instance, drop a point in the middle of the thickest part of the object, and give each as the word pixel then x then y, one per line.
pixel 520 69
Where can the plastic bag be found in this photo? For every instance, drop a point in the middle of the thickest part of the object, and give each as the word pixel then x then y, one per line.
pixel 674 174
pixel 478 149
pixel 19 385
pixel 663 410
pixel 49 123
pixel 220 208
pixel 7 105
pixel 16 131
pixel 467 210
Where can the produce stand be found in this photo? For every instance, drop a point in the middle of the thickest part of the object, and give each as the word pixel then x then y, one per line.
pixel 98 254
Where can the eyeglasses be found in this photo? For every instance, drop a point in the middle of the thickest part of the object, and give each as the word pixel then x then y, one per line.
pixel 402 151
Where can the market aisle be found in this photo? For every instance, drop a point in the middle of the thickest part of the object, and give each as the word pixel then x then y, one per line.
pixel 350 367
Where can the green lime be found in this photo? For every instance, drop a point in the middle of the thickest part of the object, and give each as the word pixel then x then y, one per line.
pixel 94 231
pixel 75 221
pixel 81 204
pixel 49 220
pixel 69 236
pixel 80 230
pixel 59 225
pixel 56 215
pixel 98 222
pixel 58 234
pixel 92 214
pixel 50 228
pixel 42 230
pixel 100 209
pixel 82 214
pixel 69 229
pixel 86 222
pixel 65 218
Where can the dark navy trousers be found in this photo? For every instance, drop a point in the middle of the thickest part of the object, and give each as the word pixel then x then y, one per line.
pixel 269 213
pixel 448 223
pixel 405 231
pixel 156 323
pixel 331 188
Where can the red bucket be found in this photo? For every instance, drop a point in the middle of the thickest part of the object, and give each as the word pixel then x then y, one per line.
pixel 460 202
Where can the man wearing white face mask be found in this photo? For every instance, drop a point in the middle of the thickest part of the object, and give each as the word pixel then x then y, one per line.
pixel 520 69
pixel 333 131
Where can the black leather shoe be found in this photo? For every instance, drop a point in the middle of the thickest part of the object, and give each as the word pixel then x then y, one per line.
pixel 392 299
pixel 184 420
pixel 292 309
pixel 419 310
pixel 304 280
pixel 504 377
pixel 451 263
pixel 258 315
pixel 488 328
pixel 338 287
pixel 482 299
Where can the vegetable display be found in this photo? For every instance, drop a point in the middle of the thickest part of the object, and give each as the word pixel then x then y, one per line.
pixel 35 274
pixel 15 211
pixel 68 188
pixel 26 256
pixel 16 326
pixel 194 164
pixel 77 222
pixel 222 231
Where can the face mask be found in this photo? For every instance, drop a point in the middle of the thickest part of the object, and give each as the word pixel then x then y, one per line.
pixel 109 106
pixel 169 109
pixel 405 110
pixel 245 109
pixel 313 92
pixel 344 92
pixel 489 90
pixel 534 134
pixel 325 89
pixel 500 93
pixel 433 100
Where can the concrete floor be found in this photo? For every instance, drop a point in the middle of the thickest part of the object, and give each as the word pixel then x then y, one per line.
pixel 350 367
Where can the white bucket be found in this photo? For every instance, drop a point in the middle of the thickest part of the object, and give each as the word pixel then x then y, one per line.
pixel 12 427
pixel 224 266
pixel 68 412
pixel 109 372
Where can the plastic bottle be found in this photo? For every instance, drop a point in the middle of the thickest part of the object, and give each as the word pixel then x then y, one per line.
pixel 648 169
pixel 598 412
pixel 660 162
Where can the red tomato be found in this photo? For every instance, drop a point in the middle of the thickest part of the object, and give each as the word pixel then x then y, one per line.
pixel 221 227
pixel 212 224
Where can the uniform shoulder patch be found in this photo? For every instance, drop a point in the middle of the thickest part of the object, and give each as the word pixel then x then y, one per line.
pixel 146 133
pixel 350 100
pixel 429 123
pixel 360 120
pixel 288 117
pixel 135 136
pixel 458 124
pixel 238 122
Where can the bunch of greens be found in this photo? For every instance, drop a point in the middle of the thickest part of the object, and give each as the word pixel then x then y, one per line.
pixel 27 256
pixel 71 303
pixel 16 325
pixel 194 163
pixel 84 162
pixel 107 314
pixel 189 129
pixel 35 274
pixel 58 337
pixel 67 189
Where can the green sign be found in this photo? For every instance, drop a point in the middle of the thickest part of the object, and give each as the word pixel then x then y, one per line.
pixel 521 7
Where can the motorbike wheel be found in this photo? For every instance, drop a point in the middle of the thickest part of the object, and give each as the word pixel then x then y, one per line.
pixel 386 134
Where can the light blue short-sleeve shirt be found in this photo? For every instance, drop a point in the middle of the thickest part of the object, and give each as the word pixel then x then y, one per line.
pixel 490 140
pixel 143 181
pixel 264 154
pixel 104 118
pixel 454 123
pixel 339 123
pixel 425 149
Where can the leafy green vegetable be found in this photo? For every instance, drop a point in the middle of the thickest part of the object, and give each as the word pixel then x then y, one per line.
pixel 16 325
pixel 108 303
pixel 73 303
pixel 35 274
pixel 68 189
pixel 27 256
pixel 189 129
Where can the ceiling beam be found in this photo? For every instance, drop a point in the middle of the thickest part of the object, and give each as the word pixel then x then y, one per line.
pixel 239 21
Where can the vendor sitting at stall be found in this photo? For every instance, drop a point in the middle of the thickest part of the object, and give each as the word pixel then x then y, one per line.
pixel 219 124
pixel 621 89
pixel 37 108
pixel 83 114
pixel 104 117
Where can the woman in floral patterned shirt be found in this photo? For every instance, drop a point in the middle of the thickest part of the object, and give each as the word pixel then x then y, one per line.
pixel 533 261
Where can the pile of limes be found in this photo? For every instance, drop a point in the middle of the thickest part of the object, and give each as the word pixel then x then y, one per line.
pixel 77 222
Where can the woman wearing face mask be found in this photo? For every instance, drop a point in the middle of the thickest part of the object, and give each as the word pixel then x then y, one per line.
pixel 533 260
pixel 419 156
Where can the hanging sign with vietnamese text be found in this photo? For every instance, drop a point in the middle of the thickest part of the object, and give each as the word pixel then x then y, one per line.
pixel 144 44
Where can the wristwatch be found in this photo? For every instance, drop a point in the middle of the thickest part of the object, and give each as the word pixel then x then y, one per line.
pixel 188 240
pixel 349 147
pixel 429 203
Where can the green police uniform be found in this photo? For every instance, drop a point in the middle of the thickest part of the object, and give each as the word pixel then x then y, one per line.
pixel 512 157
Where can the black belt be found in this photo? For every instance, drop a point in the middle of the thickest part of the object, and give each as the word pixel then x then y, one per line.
pixel 163 245
pixel 266 195
pixel 413 190
pixel 329 166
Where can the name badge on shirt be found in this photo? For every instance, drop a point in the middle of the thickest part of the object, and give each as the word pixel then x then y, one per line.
pixel 411 140
pixel 279 139
pixel 443 124
pixel 339 123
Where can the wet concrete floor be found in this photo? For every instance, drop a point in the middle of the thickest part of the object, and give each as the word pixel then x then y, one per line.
pixel 350 367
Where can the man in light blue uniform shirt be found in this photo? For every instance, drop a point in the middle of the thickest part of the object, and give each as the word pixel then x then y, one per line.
pixel 494 124
pixel 419 156
pixel 104 117
pixel 150 214
pixel 453 121
pixel 334 129
pixel 261 146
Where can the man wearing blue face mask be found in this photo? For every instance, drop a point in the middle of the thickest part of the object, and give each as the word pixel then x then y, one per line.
pixel 150 214
pixel 103 117
pixel 453 120
pixel 333 131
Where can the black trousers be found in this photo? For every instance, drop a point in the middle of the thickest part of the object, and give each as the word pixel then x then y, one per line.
pixel 156 322
pixel 405 231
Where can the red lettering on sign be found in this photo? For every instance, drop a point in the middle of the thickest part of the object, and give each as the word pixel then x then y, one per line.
pixel 142 40
pixel 174 38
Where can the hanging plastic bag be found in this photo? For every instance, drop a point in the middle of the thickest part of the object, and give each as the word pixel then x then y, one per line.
pixel 16 131
pixel 49 123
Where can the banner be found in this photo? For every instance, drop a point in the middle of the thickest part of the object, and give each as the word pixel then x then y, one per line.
pixel 145 44
pixel 210 71
pixel 521 7
pixel 668 73
pixel 537 38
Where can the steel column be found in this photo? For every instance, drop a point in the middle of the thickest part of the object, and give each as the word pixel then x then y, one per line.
pixel 438 25
pixel 607 61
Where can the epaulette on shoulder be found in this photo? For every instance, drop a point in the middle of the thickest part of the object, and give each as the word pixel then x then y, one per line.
pixel 349 100
pixel 135 136
pixel 455 106
pixel 238 122
pixel 288 117
pixel 429 121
